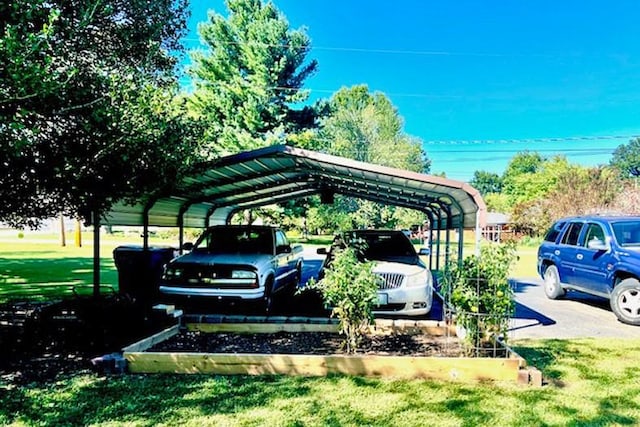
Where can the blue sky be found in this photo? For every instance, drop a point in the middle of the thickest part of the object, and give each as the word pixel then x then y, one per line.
pixel 478 81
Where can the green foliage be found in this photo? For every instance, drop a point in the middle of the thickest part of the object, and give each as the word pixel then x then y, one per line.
pixel 351 288
pixel 367 127
pixel 525 162
pixel 486 182
pixel 86 104
pixel 480 294
pixel 497 202
pixel 626 159
pixel 248 78
pixel 325 219
pixel 577 191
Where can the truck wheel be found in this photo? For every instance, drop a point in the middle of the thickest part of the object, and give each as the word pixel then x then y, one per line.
pixel 297 277
pixel 552 287
pixel 625 301
pixel 267 301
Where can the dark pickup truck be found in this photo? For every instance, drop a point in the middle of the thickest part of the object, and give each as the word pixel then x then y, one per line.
pixel 235 263
pixel 597 255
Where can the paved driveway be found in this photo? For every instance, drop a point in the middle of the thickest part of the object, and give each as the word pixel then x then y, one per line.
pixel 577 315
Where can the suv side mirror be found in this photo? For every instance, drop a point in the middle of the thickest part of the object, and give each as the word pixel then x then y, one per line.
pixel 424 251
pixel 321 251
pixel 188 246
pixel 597 245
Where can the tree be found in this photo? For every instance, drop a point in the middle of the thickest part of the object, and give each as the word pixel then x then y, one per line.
pixel 577 191
pixel 521 168
pixel 592 190
pixel 486 182
pixel 529 176
pixel 367 127
pixel 626 159
pixel 250 78
pixel 86 113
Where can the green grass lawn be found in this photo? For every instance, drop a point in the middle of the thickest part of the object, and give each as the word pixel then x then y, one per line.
pixel 590 383
pixel 37 267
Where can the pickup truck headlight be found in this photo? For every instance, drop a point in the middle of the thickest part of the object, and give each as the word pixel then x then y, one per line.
pixel 172 273
pixel 243 274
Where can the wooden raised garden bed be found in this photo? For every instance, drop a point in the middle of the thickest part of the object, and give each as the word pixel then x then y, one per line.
pixel 143 356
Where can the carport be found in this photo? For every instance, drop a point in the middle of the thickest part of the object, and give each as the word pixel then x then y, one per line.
pixel 218 189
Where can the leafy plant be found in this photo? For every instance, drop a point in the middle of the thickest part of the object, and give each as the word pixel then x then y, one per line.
pixel 351 288
pixel 478 290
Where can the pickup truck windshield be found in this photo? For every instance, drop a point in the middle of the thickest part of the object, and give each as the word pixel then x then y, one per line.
pixel 236 240
pixel 627 233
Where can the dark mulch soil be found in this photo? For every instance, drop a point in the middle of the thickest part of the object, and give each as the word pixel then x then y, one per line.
pixel 41 342
pixel 309 343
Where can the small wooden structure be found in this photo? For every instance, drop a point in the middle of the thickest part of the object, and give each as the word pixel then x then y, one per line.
pixel 496 227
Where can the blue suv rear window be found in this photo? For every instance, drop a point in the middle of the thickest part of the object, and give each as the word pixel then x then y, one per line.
pixel 570 236
pixel 553 232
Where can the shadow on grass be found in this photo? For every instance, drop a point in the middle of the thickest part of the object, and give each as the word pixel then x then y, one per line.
pixel 51 278
pixel 145 400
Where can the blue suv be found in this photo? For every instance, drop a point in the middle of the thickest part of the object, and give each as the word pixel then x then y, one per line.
pixel 598 255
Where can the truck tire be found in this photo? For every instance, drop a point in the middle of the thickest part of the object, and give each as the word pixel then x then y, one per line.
pixel 267 300
pixel 625 301
pixel 297 277
pixel 552 287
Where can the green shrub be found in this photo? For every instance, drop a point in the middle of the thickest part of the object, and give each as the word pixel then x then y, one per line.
pixel 351 289
pixel 480 295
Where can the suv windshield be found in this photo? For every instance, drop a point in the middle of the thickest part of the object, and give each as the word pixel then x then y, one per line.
pixel 381 246
pixel 235 240
pixel 627 233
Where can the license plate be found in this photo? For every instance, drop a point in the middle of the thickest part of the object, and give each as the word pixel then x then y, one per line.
pixel 383 299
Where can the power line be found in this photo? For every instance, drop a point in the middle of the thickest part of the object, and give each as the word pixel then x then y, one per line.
pixel 394 51
pixel 532 140
pixel 492 159
pixel 559 150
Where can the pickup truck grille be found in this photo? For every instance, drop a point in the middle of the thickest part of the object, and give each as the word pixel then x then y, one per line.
pixel 211 277
pixel 390 280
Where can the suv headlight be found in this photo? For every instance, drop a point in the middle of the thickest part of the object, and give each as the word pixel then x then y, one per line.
pixel 420 279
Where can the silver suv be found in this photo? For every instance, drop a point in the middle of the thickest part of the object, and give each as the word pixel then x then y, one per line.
pixel 407 284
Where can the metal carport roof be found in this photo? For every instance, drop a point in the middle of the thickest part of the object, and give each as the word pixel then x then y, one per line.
pixel 279 173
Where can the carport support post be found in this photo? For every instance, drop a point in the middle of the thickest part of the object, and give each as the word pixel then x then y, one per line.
pixel 96 253
pixel 447 248
pixel 460 243
pixel 438 238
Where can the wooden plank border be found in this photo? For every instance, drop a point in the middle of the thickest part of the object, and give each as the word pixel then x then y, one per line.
pixel 154 339
pixel 381 326
pixel 406 367
pixel 261 328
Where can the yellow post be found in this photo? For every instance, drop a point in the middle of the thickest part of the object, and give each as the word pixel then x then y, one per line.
pixel 78 234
